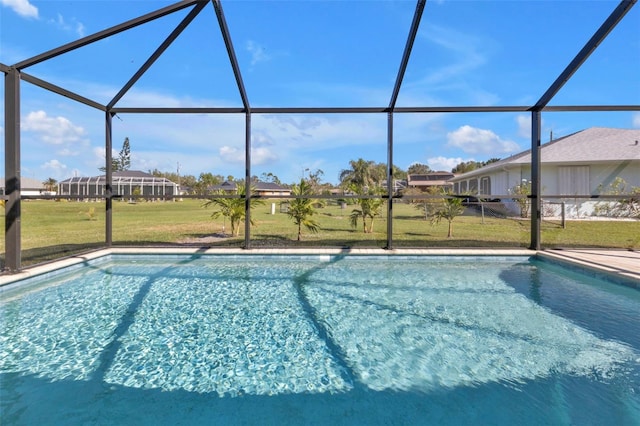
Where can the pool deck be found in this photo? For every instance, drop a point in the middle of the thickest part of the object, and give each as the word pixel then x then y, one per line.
pixel 619 263
pixel 624 264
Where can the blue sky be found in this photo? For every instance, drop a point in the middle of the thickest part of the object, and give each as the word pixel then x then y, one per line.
pixel 312 54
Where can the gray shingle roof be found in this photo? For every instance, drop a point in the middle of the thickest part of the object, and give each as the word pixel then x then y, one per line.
pixel 259 186
pixel 593 145
pixel 26 183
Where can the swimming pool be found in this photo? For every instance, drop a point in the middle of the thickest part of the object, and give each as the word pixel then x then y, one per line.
pixel 251 339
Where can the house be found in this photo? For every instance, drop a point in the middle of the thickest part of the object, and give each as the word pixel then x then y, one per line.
pixel 424 182
pixel 579 166
pixel 263 189
pixel 127 184
pixel 28 186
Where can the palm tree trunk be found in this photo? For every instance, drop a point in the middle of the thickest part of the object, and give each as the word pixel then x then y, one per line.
pixel 299 231
pixel 450 234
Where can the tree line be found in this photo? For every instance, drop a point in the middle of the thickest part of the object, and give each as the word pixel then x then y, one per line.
pixel 370 171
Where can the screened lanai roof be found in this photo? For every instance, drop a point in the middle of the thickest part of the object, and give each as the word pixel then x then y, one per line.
pixel 129 176
pixel 306 58
pixel 318 60
pixel 249 87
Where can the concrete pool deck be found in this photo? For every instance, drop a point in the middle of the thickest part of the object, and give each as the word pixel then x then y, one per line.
pixel 624 264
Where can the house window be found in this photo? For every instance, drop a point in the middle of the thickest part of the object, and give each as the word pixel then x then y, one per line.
pixel 573 180
pixel 463 187
pixel 485 185
pixel 473 186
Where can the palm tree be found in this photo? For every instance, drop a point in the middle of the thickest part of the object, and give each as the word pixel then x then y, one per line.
pixel 301 209
pixel 451 208
pixel 374 209
pixel 50 184
pixel 232 208
pixel 361 174
pixel 369 208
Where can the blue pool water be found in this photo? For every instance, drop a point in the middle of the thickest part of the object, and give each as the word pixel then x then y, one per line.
pixel 320 340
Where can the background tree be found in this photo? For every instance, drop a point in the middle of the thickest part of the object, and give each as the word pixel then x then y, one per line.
pixel 314 180
pixel 124 157
pixel 206 181
pixel 448 210
pixel 270 177
pixel 379 172
pixel 523 190
pixel 123 161
pixel 361 174
pixel 301 209
pixel 468 166
pixel 490 160
pixel 427 206
pixel 50 185
pixel 625 207
pixel 418 169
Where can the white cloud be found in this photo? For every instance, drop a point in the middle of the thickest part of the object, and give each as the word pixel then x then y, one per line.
pixel 53 130
pixel 480 141
pixel 22 8
pixel 524 125
pixel 66 152
pixel 231 155
pixel 74 26
pixel 261 139
pixel 444 163
pixel 100 155
pixel 636 120
pixel 466 49
pixel 259 155
pixel 56 169
pixel 262 155
pixel 258 53
pixel 311 133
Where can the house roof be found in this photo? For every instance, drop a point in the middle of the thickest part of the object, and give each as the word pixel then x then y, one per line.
pixel 26 183
pixel 433 176
pixel 593 145
pixel 430 179
pixel 259 186
pixel 120 176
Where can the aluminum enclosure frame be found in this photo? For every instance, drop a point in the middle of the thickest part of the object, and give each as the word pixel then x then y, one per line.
pixel 14 74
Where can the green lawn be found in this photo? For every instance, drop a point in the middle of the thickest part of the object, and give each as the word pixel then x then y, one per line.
pixel 53 229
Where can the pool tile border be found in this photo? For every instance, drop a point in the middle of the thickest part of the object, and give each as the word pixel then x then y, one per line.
pixel 618 273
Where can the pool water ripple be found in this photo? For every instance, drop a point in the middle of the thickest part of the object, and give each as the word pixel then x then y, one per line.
pixel 240 327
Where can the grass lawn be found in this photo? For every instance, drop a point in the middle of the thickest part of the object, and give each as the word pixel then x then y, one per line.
pixel 53 229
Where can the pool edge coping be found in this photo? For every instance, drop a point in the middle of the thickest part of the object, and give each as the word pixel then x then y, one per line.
pixel 73 260
pixel 624 275
pixel 617 274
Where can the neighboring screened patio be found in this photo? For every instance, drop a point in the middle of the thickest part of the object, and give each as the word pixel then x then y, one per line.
pixel 126 184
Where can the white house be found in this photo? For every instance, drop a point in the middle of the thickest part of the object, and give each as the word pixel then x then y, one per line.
pixel 28 186
pixel 577 166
